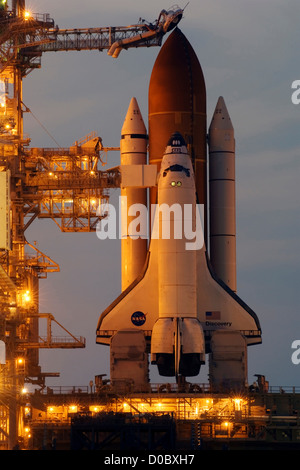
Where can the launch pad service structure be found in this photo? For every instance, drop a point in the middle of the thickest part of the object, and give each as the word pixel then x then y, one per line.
pixel 179 303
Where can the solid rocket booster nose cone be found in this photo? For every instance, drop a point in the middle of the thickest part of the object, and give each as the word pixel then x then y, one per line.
pixel 133 123
pixel 221 119
pixel 221 131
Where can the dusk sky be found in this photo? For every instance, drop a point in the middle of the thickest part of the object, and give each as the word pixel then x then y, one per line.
pixel 248 53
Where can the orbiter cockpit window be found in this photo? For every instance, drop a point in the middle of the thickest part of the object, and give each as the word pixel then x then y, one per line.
pixel 177 168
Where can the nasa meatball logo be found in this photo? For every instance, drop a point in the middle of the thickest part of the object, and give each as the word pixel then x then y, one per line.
pixel 138 318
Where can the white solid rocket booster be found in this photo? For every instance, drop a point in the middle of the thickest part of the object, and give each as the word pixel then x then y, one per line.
pixel 222 223
pixel 133 147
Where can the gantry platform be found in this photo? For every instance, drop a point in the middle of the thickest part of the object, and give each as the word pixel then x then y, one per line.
pixel 164 419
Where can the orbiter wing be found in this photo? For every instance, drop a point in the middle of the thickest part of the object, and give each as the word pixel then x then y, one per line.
pixel 217 306
pixel 137 306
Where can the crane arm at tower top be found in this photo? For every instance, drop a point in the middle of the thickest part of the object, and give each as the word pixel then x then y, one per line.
pixel 99 39
pixel 114 39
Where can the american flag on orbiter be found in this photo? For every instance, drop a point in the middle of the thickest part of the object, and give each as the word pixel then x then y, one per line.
pixel 216 315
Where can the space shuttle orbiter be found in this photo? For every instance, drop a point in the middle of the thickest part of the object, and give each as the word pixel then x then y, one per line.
pixel 177 301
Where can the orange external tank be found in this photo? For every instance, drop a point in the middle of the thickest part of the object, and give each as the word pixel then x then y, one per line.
pixel 177 102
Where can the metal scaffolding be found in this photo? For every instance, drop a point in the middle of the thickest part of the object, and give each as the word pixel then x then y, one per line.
pixel 66 185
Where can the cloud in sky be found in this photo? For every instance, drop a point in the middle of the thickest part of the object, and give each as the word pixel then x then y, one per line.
pixel 248 52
